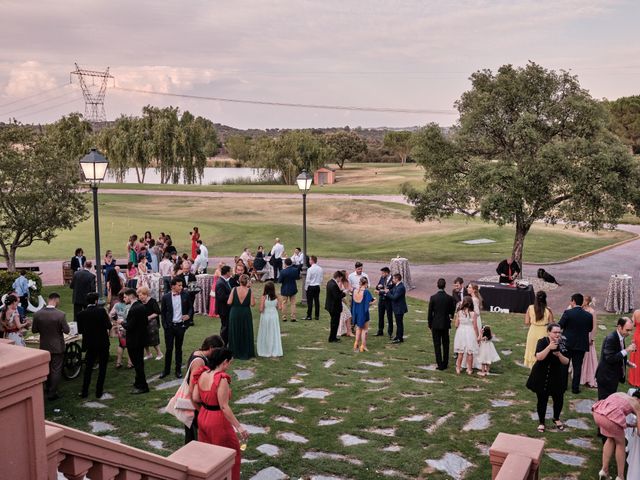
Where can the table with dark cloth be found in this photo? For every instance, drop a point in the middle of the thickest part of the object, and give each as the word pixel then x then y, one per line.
pixel 496 296
pixel 201 300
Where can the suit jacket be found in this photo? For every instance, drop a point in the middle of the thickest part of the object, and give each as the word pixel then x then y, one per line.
pixel 75 264
pixel 458 294
pixel 398 301
pixel 190 278
pixel 288 278
pixel 136 325
pixel 83 282
pixel 51 324
pixel 94 325
pixel 384 282
pixel 167 308
pixel 442 307
pixel 576 324
pixel 223 290
pixel 333 300
pixel 611 366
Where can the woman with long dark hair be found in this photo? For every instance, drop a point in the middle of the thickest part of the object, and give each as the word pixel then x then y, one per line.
pixel 241 321
pixel 537 318
pixel 12 322
pixel 114 286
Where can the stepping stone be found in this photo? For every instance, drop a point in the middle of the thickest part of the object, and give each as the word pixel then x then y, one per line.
pixel 386 432
pixel 143 434
pixel 419 311
pixel 424 380
pixel 567 459
pixel 376 380
pixel 372 408
pixel 324 477
pixel 255 429
pixel 323 422
pixel 284 419
pixel 508 393
pixel 106 396
pixel 270 473
pixel 317 393
pixel 577 423
pixel 249 412
pixel 94 405
pixel 293 408
pixel 583 406
pixel 309 348
pixel 97 427
pixel 439 422
pixel 413 395
pixel 470 389
pixel 246 460
pixel 176 430
pixel 479 422
pixel 292 437
pixel 295 381
pixel 170 384
pixel 269 450
pixel 329 363
pixel 372 364
pixel 256 385
pixel 262 396
pixel 429 368
pixel 549 414
pixel 520 364
pixel 581 443
pixel 379 389
pixel 452 464
pixel 157 444
pixel 331 456
pixel 602 327
pixel 501 403
pixel 301 374
pixel 392 448
pixel 244 374
pixel 414 418
pixel 301 365
pixel 355 370
pixel 484 449
pixel 506 352
pixel 393 473
pixel 113 439
pixel 351 440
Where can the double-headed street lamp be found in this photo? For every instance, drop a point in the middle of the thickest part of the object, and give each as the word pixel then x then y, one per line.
pixel 304 181
pixel 94 167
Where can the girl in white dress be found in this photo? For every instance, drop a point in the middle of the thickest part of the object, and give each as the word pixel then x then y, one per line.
pixel 269 340
pixel 487 353
pixel 467 334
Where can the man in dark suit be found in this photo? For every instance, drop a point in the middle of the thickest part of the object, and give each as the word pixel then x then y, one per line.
pixel 223 290
pixel 442 307
pixel 397 295
pixel 613 358
pixel 384 305
pixel 94 326
pixel 78 260
pixel 51 324
pixel 82 283
pixel 458 292
pixel 508 270
pixel 185 276
pixel 333 304
pixel 177 310
pixel 576 324
pixel 137 338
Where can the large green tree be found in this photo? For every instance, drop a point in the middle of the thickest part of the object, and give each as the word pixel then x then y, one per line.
pixel 530 145
pixel 399 143
pixel 40 183
pixel 347 146
pixel 238 147
pixel 625 120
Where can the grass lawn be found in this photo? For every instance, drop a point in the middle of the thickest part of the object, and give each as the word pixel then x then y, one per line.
pixel 376 230
pixel 355 178
pixel 363 397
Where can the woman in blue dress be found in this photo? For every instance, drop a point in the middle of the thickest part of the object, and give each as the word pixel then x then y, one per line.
pixel 362 298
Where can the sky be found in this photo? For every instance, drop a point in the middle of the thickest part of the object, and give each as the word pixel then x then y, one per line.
pixel 370 53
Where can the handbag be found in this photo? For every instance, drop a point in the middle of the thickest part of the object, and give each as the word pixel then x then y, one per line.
pixel 180 405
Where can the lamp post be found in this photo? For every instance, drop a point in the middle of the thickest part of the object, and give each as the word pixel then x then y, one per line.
pixel 94 167
pixel 304 181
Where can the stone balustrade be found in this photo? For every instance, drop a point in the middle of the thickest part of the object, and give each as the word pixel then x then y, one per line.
pixel 40 449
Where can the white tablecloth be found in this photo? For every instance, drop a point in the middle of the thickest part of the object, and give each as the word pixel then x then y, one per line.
pixel 619 294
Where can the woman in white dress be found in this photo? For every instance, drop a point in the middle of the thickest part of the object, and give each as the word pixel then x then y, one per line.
pixel 269 340
pixel 474 291
pixel 467 334
pixel 12 324
pixel 344 327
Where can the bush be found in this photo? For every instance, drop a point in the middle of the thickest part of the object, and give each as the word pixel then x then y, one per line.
pixel 7 279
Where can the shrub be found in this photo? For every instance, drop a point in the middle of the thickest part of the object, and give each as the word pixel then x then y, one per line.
pixel 7 279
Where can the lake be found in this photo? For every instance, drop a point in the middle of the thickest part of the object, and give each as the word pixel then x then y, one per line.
pixel 211 175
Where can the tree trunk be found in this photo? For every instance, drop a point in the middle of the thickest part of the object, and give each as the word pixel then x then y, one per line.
pixel 522 229
pixel 11 259
pixel 138 175
pixel 403 159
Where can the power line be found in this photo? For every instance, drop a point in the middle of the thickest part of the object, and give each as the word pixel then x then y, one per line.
pixel 294 105
pixel 47 100
pixel 32 96
pixel 28 114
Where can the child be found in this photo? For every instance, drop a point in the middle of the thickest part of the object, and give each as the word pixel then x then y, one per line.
pixel 487 353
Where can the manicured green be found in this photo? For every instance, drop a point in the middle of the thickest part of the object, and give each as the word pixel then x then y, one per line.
pixel 360 404
pixel 336 229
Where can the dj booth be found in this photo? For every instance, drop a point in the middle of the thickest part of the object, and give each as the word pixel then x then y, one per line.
pixel 497 297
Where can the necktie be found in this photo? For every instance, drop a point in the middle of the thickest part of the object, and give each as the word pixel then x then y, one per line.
pixel 623 359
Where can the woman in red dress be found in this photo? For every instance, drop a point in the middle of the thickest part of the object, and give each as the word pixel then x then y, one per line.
pixel 195 236
pixel 634 357
pixel 216 421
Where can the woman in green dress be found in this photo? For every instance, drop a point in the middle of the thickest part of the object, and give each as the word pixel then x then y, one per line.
pixel 241 321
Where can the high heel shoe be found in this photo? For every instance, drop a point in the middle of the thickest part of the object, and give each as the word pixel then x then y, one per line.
pixel 458 370
pixel 363 348
pixel 602 475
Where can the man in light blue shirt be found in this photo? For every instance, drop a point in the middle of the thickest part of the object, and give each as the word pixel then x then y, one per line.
pixel 21 287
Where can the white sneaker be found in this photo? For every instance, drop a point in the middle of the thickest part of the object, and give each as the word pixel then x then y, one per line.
pixel 160 357
pixel 148 357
